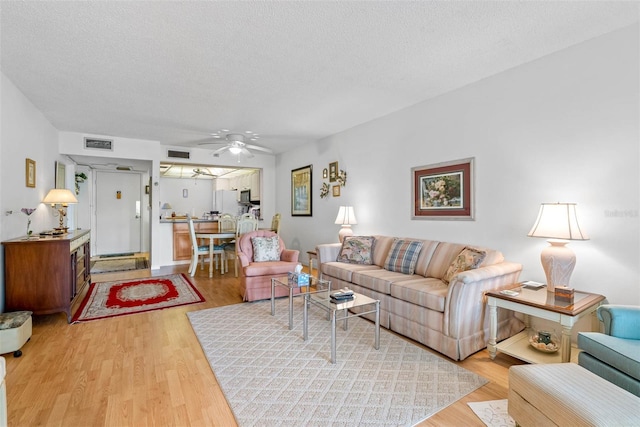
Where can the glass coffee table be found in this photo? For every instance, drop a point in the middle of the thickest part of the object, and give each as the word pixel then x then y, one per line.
pixel 315 285
pixel 321 299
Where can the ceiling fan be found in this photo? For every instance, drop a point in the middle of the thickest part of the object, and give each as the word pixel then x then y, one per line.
pixel 235 144
pixel 206 172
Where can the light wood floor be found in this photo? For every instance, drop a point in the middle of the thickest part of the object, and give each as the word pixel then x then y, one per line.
pixel 149 369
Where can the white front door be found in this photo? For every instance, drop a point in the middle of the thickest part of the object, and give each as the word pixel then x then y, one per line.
pixel 118 210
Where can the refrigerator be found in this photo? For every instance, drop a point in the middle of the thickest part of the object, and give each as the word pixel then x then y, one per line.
pixel 226 201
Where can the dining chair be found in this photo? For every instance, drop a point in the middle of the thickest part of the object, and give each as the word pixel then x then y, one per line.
pixel 275 223
pixel 197 251
pixel 247 216
pixel 243 226
pixel 202 250
pixel 227 224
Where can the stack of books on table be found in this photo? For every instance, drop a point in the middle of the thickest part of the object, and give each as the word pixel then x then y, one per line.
pixel 343 295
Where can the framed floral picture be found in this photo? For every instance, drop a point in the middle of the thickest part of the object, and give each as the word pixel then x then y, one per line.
pixel 443 190
pixel 301 191
pixel 30 173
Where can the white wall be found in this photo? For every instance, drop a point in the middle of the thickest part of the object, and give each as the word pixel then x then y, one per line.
pixel 199 195
pixel 562 128
pixel 24 133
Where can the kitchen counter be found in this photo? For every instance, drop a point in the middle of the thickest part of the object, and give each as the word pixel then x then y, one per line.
pixel 185 220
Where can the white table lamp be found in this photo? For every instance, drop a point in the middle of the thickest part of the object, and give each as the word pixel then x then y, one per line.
pixel 345 218
pixel 62 197
pixel 559 223
pixel 165 208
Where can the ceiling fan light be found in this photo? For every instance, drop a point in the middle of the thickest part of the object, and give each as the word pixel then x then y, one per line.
pixel 235 150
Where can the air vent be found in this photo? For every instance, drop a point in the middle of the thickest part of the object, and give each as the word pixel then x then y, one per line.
pixel 178 154
pixel 98 144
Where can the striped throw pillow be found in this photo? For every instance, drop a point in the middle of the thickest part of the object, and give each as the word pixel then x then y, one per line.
pixel 403 256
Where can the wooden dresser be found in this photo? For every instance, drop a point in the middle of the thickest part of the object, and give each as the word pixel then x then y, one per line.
pixel 47 275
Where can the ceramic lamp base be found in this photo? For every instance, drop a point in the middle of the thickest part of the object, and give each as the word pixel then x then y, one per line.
pixel 345 231
pixel 558 262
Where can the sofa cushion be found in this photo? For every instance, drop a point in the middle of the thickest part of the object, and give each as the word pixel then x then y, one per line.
pixel 422 291
pixel 468 259
pixel 403 256
pixel 266 248
pixel 343 271
pixel 442 258
pixel 383 244
pixel 379 280
pixel 622 354
pixel 357 250
pixel 426 254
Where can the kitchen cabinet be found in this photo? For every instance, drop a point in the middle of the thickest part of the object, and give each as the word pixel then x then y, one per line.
pixel 255 186
pixel 47 275
pixel 182 240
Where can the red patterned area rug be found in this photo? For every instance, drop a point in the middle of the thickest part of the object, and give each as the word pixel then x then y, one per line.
pixel 110 299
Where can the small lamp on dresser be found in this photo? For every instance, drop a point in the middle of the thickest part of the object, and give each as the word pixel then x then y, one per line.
pixel 63 198
pixel 559 223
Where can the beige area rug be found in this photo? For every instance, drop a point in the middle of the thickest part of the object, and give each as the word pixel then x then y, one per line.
pixel 493 413
pixel 270 376
pixel 119 264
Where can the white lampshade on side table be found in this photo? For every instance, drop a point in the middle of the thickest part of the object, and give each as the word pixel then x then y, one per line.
pixel 559 223
pixel 345 218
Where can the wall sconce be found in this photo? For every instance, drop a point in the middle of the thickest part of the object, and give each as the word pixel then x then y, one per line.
pixel 62 197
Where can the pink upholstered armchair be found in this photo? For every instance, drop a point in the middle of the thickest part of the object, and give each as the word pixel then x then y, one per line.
pixel 256 277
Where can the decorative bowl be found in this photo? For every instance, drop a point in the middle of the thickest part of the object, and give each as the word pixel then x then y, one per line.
pixel 552 347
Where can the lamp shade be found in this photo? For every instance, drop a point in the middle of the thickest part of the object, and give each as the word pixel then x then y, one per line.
pixel 346 216
pixel 558 221
pixel 60 196
pixel 166 206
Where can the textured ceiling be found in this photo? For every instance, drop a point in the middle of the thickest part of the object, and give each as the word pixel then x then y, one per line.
pixel 291 71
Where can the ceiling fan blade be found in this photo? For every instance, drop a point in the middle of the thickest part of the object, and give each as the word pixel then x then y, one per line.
pixel 246 153
pixel 221 150
pixel 259 148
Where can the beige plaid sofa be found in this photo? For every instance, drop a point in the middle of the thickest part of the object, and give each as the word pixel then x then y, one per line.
pixel 451 318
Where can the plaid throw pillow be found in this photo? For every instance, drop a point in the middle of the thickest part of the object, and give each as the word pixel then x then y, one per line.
pixel 357 250
pixel 403 256
pixel 467 259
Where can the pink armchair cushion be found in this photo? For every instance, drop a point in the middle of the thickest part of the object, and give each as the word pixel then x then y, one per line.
pixel 245 247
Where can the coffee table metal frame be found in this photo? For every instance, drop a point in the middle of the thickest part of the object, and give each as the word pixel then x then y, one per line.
pixel 319 284
pixel 323 301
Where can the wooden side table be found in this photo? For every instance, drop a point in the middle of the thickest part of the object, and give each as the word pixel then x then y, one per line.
pixel 542 304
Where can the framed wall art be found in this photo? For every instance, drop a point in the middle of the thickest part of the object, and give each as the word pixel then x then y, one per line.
pixel 336 191
pixel 333 172
pixel 301 196
pixel 30 173
pixel 443 190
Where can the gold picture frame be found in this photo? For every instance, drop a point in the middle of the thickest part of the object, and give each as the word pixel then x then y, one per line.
pixel 336 191
pixel 30 173
pixel 333 172
pixel 301 196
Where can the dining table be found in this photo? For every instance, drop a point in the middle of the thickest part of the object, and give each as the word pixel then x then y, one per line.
pixel 212 238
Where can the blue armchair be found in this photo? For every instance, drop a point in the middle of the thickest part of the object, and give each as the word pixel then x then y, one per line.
pixel 615 354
